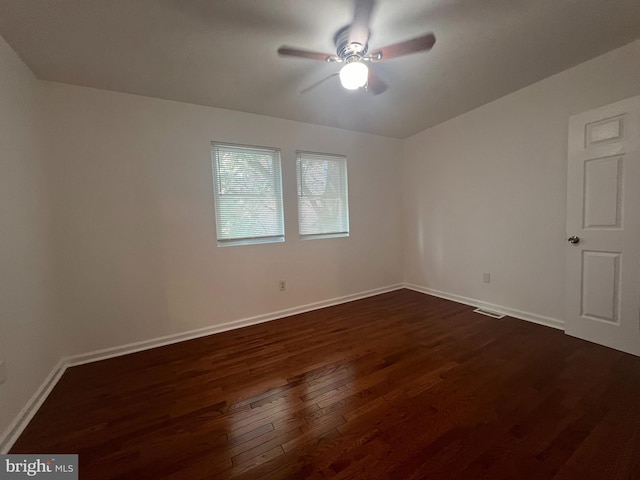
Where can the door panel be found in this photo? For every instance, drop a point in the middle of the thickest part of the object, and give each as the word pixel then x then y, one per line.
pixel 603 210
pixel 603 192
pixel 605 131
pixel 600 286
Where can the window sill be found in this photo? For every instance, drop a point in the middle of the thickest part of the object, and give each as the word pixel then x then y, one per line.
pixel 324 235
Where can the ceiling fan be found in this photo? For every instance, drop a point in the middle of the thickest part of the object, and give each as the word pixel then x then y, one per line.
pixel 352 49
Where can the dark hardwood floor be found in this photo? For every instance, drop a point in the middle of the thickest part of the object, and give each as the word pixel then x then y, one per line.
pixel 397 386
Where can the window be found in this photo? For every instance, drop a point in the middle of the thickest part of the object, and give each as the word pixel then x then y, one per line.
pixel 323 203
pixel 247 190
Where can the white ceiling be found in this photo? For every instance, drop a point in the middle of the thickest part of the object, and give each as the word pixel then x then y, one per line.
pixel 222 53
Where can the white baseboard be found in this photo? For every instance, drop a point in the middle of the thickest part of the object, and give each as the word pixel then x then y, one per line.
pixel 15 429
pixel 203 332
pixel 511 312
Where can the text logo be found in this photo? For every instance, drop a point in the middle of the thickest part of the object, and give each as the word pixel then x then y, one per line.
pixel 50 467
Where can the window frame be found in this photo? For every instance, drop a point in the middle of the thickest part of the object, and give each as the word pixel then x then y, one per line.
pixel 222 239
pixel 344 194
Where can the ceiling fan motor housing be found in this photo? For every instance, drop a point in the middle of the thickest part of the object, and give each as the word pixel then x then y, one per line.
pixel 347 51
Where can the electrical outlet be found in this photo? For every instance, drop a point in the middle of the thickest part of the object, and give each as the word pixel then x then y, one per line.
pixel 486 277
pixel 3 372
pixel 283 285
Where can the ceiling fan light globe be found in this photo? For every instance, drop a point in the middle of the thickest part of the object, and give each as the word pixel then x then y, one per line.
pixel 354 75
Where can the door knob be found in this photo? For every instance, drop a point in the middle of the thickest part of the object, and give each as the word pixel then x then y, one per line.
pixel 573 240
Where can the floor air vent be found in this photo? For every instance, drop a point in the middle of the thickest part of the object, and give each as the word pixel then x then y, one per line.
pixel 489 313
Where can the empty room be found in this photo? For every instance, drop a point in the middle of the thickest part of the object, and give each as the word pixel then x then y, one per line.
pixel 293 239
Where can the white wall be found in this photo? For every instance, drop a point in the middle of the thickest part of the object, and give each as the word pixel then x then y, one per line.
pixel 135 235
pixel 486 191
pixel 29 333
pixel 107 218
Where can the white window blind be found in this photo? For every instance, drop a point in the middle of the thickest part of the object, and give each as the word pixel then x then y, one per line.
pixel 323 203
pixel 247 185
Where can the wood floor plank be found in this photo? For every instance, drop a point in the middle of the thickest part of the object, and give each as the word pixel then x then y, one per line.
pixel 397 386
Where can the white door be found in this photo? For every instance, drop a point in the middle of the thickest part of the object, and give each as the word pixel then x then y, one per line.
pixel 603 226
